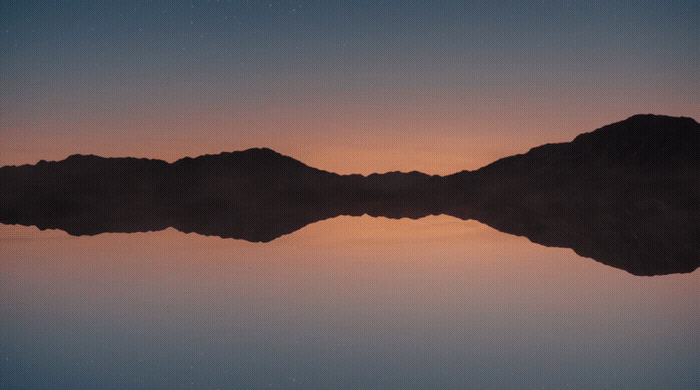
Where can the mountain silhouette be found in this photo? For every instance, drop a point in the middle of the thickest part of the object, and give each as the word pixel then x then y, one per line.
pixel 626 195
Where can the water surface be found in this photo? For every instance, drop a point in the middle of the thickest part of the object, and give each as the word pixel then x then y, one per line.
pixel 346 303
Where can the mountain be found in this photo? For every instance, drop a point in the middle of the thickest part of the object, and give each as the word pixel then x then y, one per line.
pixel 256 194
pixel 627 195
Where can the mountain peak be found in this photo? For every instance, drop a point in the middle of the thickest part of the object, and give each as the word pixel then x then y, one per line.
pixel 657 117
pixel 645 139
pixel 649 124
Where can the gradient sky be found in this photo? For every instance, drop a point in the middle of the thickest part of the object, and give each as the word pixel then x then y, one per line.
pixel 346 86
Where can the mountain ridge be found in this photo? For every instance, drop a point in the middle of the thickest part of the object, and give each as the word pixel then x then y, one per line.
pixel 632 204
pixel 629 127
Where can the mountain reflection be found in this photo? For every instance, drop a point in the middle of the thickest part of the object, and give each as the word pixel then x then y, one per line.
pixel 622 241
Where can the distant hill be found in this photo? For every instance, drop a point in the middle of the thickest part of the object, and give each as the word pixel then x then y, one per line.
pixel 627 194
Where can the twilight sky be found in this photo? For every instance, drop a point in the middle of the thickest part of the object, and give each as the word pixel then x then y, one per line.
pixel 346 86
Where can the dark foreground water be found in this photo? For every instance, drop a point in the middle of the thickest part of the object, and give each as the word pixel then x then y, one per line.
pixel 347 303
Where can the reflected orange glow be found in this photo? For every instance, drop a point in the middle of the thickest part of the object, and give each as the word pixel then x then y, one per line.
pixel 445 287
pixel 332 255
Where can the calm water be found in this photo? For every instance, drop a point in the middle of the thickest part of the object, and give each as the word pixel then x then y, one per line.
pixel 356 303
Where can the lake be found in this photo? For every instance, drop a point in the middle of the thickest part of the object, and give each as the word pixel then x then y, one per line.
pixel 344 303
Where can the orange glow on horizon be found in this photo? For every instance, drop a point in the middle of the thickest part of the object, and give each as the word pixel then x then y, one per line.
pixel 436 135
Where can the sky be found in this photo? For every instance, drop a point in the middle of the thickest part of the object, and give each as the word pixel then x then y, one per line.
pixel 345 86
